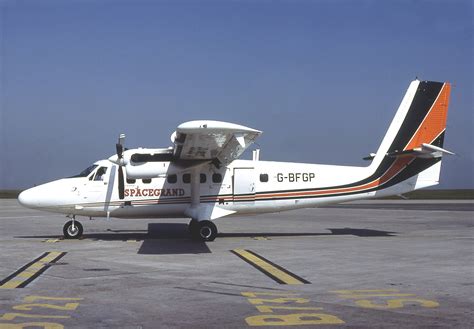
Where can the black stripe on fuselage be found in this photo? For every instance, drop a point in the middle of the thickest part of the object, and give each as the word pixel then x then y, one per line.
pixel 412 169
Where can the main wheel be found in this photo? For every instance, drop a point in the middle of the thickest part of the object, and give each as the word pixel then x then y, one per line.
pixel 205 231
pixel 72 231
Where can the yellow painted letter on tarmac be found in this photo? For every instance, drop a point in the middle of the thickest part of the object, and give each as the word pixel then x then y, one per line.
pixel 396 303
pixel 293 319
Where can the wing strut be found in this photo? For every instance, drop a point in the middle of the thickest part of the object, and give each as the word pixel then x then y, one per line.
pixel 195 188
pixel 202 211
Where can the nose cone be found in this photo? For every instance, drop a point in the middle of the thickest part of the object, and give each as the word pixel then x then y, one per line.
pixel 43 196
pixel 119 161
pixel 28 198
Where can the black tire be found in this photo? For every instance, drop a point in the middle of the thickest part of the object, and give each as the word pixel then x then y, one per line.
pixel 70 233
pixel 193 227
pixel 205 231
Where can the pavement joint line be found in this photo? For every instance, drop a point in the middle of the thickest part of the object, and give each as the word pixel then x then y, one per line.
pixel 19 217
pixel 270 269
pixel 27 273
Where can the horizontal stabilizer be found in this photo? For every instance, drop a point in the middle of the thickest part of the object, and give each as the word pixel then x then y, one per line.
pixel 371 156
pixel 424 151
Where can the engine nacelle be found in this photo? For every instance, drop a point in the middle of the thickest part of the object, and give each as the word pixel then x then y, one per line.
pixel 150 170
pixel 151 163
pixel 147 163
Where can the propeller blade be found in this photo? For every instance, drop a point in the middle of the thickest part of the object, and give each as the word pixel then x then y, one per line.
pixel 119 148
pixel 121 183
pixel 121 138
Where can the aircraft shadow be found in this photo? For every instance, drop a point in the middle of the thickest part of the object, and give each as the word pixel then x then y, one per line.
pixel 334 231
pixel 158 239
pixel 174 238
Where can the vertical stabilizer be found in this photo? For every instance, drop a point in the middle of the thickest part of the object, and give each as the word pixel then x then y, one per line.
pixel 412 150
pixel 420 119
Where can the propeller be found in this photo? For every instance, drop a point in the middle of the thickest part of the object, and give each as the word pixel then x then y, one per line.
pixel 119 148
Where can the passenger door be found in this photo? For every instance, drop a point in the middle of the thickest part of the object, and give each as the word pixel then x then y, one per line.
pixel 244 185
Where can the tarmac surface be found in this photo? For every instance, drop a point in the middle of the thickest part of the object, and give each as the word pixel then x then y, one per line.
pixel 377 264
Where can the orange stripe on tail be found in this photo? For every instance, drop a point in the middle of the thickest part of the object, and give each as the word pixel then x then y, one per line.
pixel 435 121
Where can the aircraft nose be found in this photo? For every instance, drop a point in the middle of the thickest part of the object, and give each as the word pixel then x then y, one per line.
pixel 26 198
pixel 45 196
pixel 35 197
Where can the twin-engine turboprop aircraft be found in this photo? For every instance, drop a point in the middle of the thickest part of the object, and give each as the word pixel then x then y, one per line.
pixel 201 177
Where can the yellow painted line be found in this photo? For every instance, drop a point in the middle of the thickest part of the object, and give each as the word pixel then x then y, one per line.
pixel 25 274
pixel 11 284
pixel 50 257
pixel 274 271
pixel 36 266
pixel 30 271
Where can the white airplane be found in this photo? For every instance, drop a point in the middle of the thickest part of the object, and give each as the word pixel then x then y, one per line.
pixel 201 177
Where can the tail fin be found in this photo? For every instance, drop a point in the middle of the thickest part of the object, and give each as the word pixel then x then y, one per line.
pixel 420 119
pixel 413 144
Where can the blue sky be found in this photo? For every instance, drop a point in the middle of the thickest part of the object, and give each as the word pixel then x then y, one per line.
pixel 322 79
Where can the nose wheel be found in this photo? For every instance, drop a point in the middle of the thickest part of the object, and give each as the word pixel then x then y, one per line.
pixel 202 230
pixel 73 230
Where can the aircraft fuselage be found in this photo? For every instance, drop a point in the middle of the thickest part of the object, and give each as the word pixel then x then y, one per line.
pixel 243 187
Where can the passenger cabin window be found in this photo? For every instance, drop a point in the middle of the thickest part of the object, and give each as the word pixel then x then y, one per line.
pixel 100 174
pixel 172 179
pixel 264 178
pixel 131 181
pixel 216 178
pixel 187 178
pixel 146 180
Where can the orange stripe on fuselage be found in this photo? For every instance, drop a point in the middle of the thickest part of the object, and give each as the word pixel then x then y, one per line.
pixel 434 122
pixel 391 172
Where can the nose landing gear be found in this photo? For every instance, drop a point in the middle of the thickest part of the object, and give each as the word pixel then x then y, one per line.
pixel 73 229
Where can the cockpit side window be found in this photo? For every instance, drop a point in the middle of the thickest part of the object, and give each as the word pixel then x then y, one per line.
pixel 100 174
pixel 86 172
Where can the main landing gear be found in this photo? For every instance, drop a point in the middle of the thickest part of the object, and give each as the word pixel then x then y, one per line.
pixel 204 230
pixel 72 229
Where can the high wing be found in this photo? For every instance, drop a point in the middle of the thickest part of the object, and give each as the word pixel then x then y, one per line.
pixel 212 140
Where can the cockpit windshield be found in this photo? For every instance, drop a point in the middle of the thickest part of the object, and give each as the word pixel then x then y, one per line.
pixel 85 172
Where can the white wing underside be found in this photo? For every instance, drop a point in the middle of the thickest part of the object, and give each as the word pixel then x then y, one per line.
pixel 209 140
